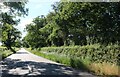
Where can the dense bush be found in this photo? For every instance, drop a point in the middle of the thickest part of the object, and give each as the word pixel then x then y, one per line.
pixel 4 52
pixel 81 64
pixel 95 53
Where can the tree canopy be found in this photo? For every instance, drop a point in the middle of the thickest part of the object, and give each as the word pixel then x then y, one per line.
pixel 10 35
pixel 76 23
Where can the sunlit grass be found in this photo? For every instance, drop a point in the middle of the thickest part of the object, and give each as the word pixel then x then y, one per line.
pixel 4 52
pixel 82 64
pixel 105 68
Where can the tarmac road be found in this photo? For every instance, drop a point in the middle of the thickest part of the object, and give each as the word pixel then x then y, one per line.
pixel 24 63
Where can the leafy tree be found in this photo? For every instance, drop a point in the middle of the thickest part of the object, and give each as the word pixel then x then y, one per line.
pixel 55 34
pixel 35 37
pixel 25 43
pixel 97 21
pixel 76 23
pixel 9 33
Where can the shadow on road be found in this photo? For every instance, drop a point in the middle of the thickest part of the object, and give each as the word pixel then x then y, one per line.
pixel 21 53
pixel 16 67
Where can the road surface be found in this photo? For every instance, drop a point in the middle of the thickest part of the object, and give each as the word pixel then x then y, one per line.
pixel 24 63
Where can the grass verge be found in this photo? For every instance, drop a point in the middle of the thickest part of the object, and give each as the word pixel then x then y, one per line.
pixel 103 69
pixel 4 52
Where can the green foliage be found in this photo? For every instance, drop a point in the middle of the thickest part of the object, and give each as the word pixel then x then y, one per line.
pixel 24 43
pixel 94 53
pixel 76 23
pixel 93 27
pixel 4 52
pixel 10 35
pixel 77 62
pixel 69 61
pixel 36 36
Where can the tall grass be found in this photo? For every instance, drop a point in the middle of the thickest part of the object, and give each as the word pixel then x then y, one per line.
pixel 93 58
pixel 4 52
pixel 68 61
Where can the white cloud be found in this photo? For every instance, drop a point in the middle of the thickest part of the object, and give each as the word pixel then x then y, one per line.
pixel 25 22
pixel 22 25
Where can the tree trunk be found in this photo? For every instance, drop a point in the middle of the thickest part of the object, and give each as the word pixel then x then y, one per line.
pixel 10 48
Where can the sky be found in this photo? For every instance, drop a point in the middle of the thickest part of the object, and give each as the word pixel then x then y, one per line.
pixel 36 8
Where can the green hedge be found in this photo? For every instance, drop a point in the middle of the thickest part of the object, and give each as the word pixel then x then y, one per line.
pixel 95 53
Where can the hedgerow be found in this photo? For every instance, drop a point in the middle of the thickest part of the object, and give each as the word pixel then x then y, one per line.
pixel 95 53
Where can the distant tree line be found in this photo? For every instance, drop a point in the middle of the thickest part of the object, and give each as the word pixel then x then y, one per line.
pixel 75 23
